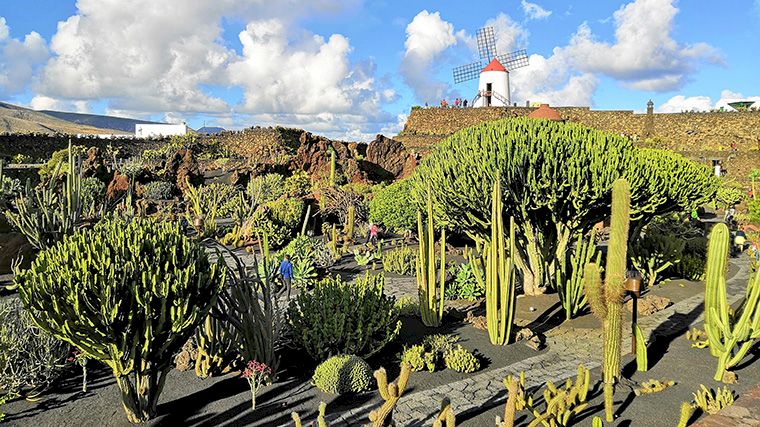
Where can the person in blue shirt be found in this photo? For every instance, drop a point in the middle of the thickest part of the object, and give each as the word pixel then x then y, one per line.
pixel 286 273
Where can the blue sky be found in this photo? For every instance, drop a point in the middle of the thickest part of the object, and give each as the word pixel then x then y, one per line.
pixel 353 68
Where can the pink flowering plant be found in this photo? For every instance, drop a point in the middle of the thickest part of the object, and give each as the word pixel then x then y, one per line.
pixel 258 375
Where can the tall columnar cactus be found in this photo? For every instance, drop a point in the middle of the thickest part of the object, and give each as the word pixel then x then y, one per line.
pixel 446 416
pixel 350 218
pixel 499 281
pixel 332 167
pixel 127 293
pixel 430 301
pixel 730 333
pixel 607 300
pixel 383 416
pixel 570 280
pixel 217 348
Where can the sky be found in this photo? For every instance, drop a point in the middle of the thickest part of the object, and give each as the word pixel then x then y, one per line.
pixel 350 69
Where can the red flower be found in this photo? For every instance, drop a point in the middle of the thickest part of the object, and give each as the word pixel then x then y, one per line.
pixel 254 368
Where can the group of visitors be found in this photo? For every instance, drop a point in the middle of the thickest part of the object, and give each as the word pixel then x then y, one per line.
pixel 457 103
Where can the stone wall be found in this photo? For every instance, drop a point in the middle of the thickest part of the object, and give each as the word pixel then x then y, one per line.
pixel 701 136
pixel 42 146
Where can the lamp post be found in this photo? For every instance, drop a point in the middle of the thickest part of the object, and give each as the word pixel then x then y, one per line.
pixel 633 288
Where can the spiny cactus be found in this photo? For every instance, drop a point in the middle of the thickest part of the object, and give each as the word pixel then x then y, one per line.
pixel 570 280
pixel 607 301
pixel 350 218
pixel 332 167
pixel 96 291
pixel 217 349
pixel 383 416
pixel 686 410
pixel 642 361
pixel 710 402
pixel 499 280
pixel 730 334
pixel 320 422
pixel 431 301
pixel 562 404
pixel 446 416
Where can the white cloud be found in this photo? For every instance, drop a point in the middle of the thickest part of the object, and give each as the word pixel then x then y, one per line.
pixel 19 59
pixel 680 103
pixel 552 80
pixel 427 37
pixel 534 11
pixel 644 55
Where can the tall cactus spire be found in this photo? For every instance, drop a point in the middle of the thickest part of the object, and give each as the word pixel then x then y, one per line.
pixel 607 301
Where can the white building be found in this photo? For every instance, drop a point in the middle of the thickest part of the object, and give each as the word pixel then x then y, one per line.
pixel 145 130
pixel 493 87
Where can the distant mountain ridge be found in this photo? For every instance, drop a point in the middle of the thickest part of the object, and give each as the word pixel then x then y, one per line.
pixel 99 121
pixel 15 119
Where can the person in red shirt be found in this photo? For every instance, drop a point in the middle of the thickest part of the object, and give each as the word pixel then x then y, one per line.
pixel 373 230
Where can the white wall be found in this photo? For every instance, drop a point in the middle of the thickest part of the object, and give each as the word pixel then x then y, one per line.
pixel 499 83
pixel 151 130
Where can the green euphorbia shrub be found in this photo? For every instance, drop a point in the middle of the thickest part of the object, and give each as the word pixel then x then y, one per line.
pixel 344 318
pixel 128 293
pixel 393 207
pixel 343 374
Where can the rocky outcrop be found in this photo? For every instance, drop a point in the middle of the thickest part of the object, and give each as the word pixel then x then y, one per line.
pixel 117 187
pixel 313 156
pixel 391 157
pixel 184 166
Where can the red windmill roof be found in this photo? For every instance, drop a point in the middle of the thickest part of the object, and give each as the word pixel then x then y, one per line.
pixel 545 112
pixel 494 65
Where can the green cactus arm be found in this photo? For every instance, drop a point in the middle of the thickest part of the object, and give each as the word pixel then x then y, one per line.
pixel 592 282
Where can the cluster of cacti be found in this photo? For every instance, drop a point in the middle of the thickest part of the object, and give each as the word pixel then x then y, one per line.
pixel 730 333
pixel 320 421
pixel 383 416
pixel 570 278
pixel 446 416
pixel 460 359
pixel 561 404
pixel 698 337
pixel 217 352
pixel 431 294
pixel 438 348
pixel 606 299
pixel 401 260
pixel 559 177
pixel 654 253
pixel 46 214
pixel 499 280
pixel 712 402
pixel 95 291
pixel 343 374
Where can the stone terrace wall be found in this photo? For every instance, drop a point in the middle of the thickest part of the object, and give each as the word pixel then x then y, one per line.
pixel 700 136
pixel 42 146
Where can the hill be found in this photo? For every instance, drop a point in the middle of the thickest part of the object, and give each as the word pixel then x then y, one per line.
pixel 95 120
pixel 15 119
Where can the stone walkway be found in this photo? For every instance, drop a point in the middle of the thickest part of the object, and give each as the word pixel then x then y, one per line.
pixel 566 349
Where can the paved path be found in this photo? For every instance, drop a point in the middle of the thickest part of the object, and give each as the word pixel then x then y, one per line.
pixel 566 349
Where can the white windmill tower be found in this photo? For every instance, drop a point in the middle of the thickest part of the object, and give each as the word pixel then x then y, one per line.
pixel 493 84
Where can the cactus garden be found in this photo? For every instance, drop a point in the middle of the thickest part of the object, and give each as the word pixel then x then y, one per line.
pixel 525 272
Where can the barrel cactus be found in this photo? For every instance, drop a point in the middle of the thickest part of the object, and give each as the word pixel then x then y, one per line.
pixel 128 293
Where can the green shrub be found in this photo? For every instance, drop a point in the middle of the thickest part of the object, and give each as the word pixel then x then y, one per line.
pixel 393 207
pixel 298 184
pixel 58 161
pixel 754 210
pixel 461 360
pixel 30 358
pixel 128 293
pixel 311 250
pixel 159 190
pixel 401 260
pixel 343 374
pixel 265 188
pixel 287 211
pixel 344 318
pixel 729 193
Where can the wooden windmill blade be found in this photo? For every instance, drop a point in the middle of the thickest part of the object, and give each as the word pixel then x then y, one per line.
pixel 514 60
pixel 467 72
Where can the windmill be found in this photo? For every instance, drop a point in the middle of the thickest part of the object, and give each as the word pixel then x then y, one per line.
pixel 493 87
